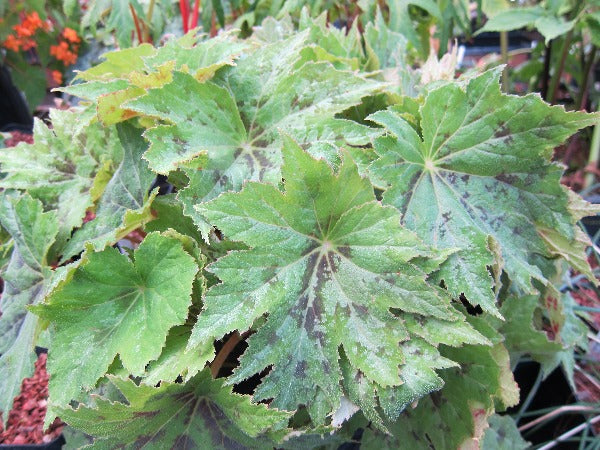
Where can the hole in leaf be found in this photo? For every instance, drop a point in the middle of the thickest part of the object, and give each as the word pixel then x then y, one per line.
pixel 472 310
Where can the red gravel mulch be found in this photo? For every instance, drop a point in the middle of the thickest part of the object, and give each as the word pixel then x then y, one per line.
pixel 26 419
pixel 16 137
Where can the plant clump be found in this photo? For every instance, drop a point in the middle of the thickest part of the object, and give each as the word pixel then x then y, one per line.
pixel 379 245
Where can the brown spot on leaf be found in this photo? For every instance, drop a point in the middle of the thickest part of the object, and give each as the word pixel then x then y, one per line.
pixel 507 178
pixel 215 421
pixel 451 177
pixel 344 250
pixel 360 309
pixel 300 370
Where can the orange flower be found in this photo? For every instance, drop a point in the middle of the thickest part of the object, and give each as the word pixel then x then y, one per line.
pixel 12 43
pixel 32 21
pixel 62 53
pixel 71 35
pixel 23 31
pixel 57 76
pixel 58 50
pixel 28 44
pixel 28 25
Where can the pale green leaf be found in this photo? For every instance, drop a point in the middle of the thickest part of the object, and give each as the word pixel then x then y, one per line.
pixel 400 19
pixel 493 7
pixel 119 64
pixel 480 168
pixel 168 213
pixel 503 434
pixel 125 204
pixel 546 22
pixel 523 337
pixel 234 123
pixel 456 416
pixel 25 278
pixel 127 74
pixel 205 119
pixel 328 264
pixel 513 19
pixel 197 56
pixel 109 305
pixel 120 20
pixel 571 250
pixel 341 47
pixel 174 361
pixel 59 168
pixel 573 334
pixel 551 26
pixel 387 52
pixel 418 375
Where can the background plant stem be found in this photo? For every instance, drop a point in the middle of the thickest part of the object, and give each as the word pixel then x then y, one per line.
pixel 224 353
pixel 555 82
pixel 149 20
pixel 589 67
pixel 137 24
pixel 504 54
pixel 546 73
pixel 593 158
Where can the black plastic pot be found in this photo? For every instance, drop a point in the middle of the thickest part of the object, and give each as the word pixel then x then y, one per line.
pixel 14 113
pixel 56 444
pixel 554 391
pixel 483 44
pixel 592 223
